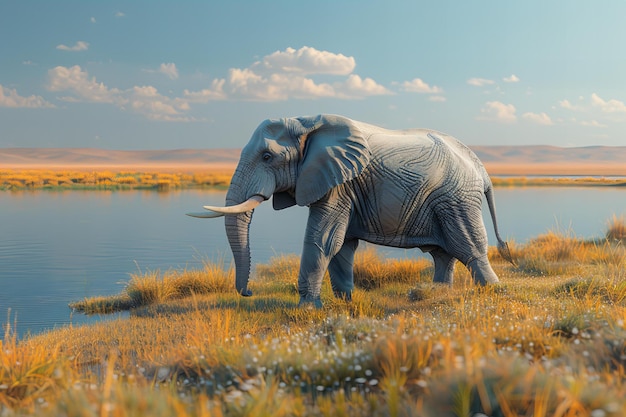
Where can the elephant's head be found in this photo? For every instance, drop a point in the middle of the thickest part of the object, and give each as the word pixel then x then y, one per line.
pixel 295 160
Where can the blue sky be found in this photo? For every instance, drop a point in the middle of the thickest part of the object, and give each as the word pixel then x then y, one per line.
pixel 204 74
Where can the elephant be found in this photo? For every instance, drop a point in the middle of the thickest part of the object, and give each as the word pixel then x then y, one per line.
pixel 414 188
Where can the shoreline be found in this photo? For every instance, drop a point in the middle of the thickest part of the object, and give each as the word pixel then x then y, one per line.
pixel 164 177
pixel 495 169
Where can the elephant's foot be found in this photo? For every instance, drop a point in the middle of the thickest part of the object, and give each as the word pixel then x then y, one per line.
pixel 343 295
pixel 482 272
pixel 309 302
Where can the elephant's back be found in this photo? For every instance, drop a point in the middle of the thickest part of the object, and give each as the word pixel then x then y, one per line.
pixel 419 172
pixel 419 153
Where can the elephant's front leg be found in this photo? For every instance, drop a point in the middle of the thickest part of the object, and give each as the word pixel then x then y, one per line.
pixel 324 236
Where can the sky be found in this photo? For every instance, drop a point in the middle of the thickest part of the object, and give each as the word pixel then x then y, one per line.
pixel 203 74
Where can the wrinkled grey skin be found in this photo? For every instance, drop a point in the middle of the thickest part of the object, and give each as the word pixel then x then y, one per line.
pixel 410 188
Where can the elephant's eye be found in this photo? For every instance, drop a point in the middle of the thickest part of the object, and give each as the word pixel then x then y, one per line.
pixel 267 157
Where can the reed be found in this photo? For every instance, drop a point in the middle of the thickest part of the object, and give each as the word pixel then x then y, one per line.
pixel 540 343
pixel 153 287
pixel 110 180
pixel 616 228
pixel 556 181
pixel 18 179
pixel 30 373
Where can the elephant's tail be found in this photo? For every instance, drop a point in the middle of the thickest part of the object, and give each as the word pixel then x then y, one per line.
pixel 503 247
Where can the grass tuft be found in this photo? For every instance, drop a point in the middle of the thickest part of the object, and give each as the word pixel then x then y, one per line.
pixel 557 253
pixel 372 271
pixel 152 287
pixel 616 229
pixel 29 374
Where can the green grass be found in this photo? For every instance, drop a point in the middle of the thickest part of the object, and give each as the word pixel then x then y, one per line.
pixel 550 340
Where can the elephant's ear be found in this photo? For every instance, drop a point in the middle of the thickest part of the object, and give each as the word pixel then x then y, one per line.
pixel 282 200
pixel 334 151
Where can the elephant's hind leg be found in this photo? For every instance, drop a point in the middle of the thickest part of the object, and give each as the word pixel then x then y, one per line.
pixel 481 271
pixel 444 266
pixel 341 270
pixel 465 236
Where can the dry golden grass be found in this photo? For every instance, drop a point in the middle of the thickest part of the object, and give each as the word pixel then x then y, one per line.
pixel 544 342
pixel 29 371
pixel 152 287
pixel 373 271
pixel 556 182
pixel 18 179
pixel 43 178
pixel 616 228
pixel 557 253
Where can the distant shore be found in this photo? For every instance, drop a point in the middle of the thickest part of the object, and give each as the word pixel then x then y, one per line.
pixel 141 166
pixel 166 178
pixel 519 161
pixel 493 168
pixel 596 169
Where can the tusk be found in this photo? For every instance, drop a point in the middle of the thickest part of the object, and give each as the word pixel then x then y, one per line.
pixel 244 207
pixel 206 214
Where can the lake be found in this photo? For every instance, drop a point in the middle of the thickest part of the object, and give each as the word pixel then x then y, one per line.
pixel 61 246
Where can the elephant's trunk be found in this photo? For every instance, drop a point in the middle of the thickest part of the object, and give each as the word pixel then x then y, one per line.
pixel 238 232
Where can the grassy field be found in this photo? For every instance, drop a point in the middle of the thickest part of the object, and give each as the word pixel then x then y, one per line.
pixel 557 181
pixel 38 179
pixel 48 179
pixel 550 340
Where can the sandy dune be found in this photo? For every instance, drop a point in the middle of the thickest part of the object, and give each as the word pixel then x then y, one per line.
pixel 90 158
pixel 500 160
pixel 552 160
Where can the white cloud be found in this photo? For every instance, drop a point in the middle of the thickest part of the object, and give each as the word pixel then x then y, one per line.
pixel 77 81
pixel 145 100
pixel 566 104
pixel 216 92
pixel 512 79
pixel 498 111
pixel 279 76
pixel 480 82
pixel 10 98
pixel 307 60
pixel 287 86
pixel 79 46
pixel 538 118
pixel 357 87
pixel 438 99
pixel 417 85
pixel 289 74
pixel 120 14
pixel 610 106
pixel 169 69
pixel 592 123
pixel 247 85
pixel 92 20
